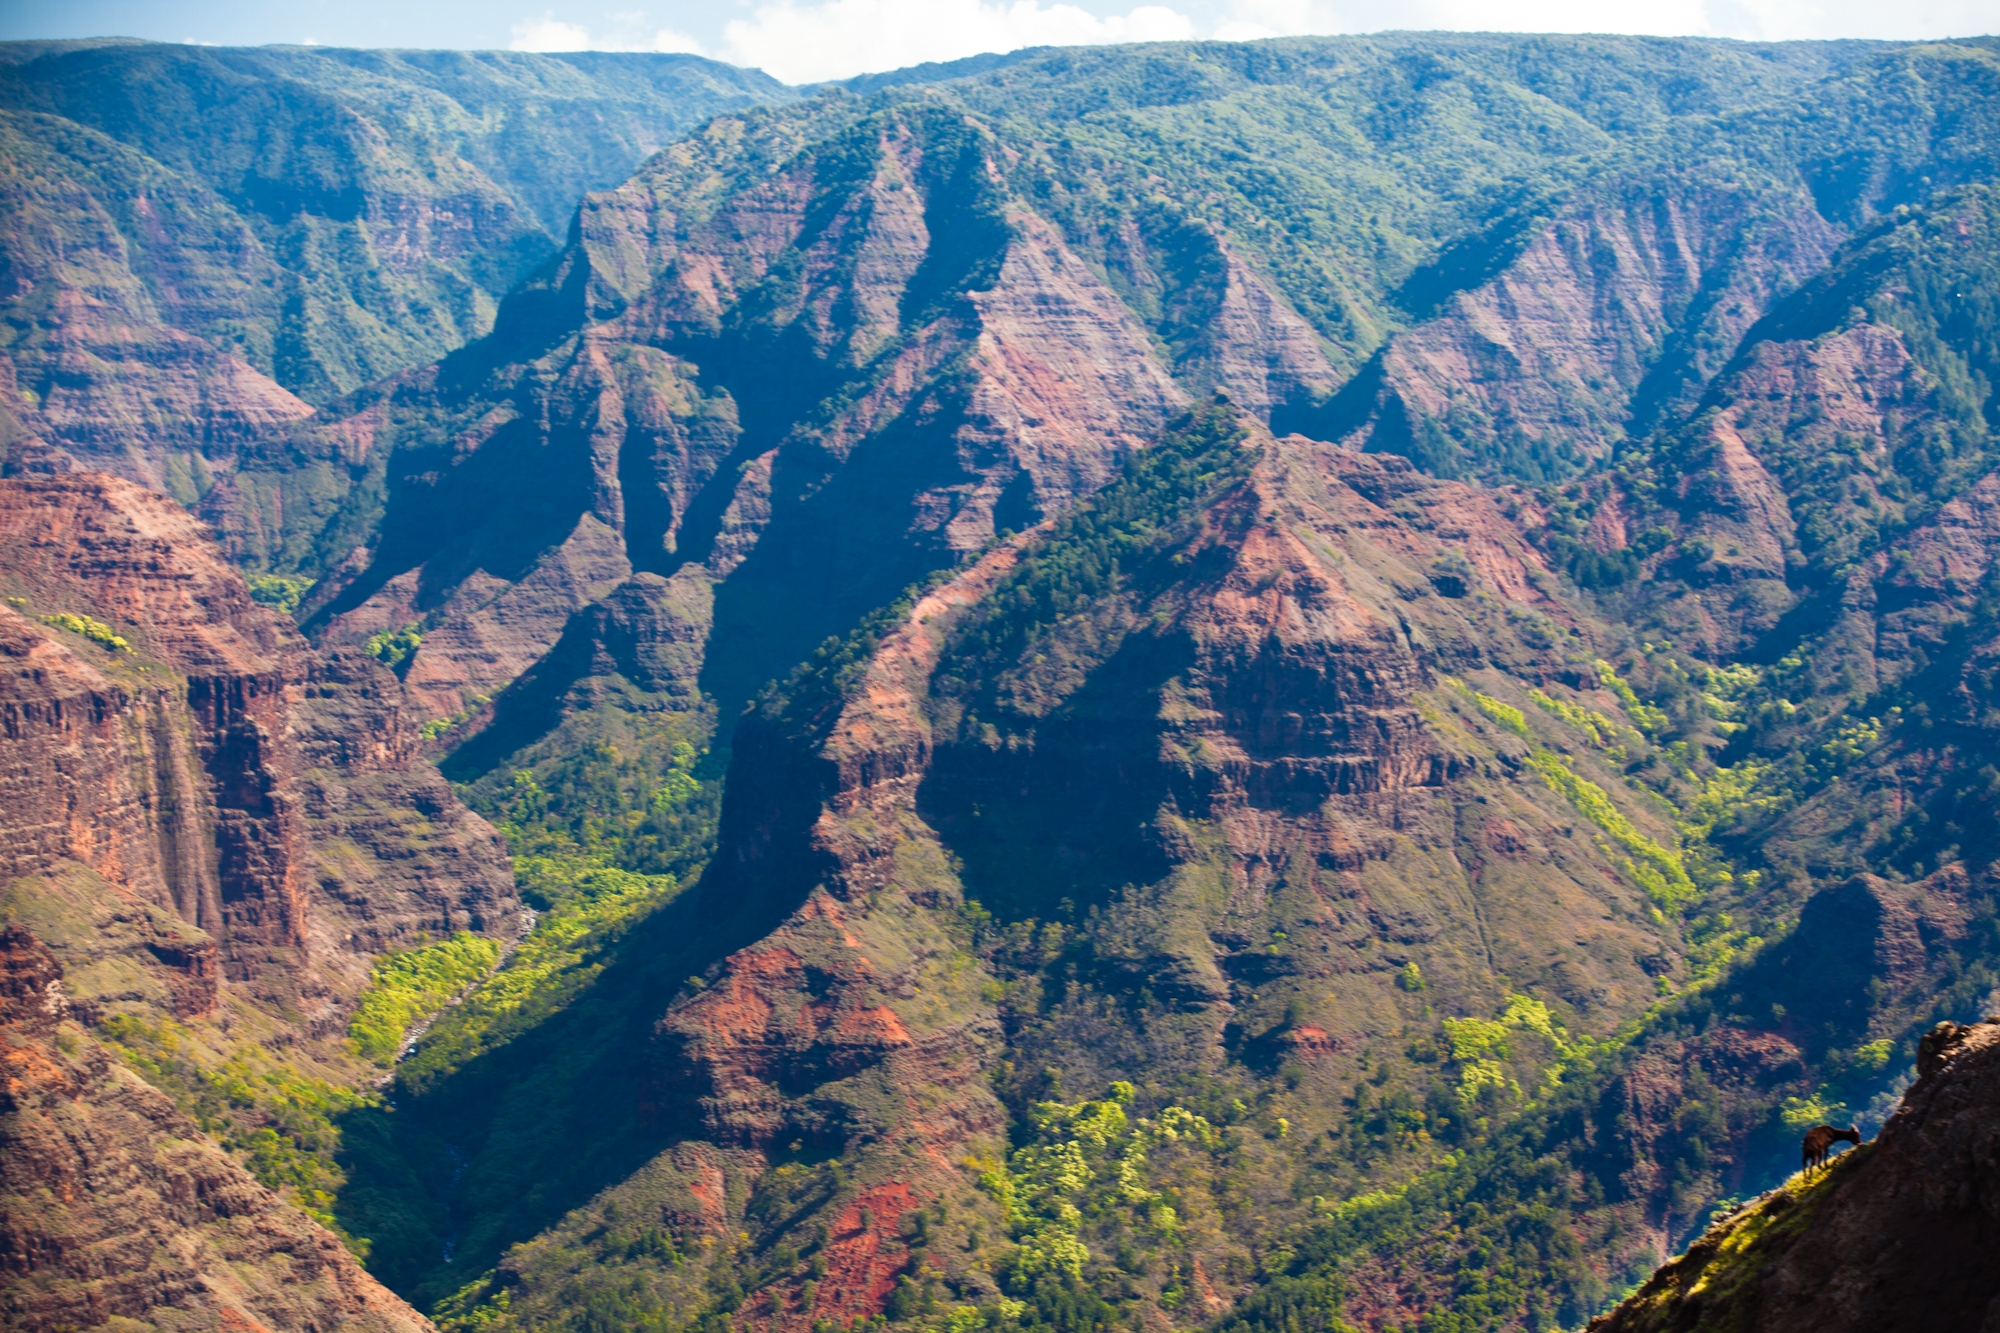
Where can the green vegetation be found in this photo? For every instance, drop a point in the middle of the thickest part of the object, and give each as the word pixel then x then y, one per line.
pixel 522 1096
pixel 394 648
pixel 1087 1166
pixel 96 631
pixel 636 791
pixel 1651 720
pixel 281 592
pixel 1504 713
pixel 305 293
pixel 1090 1204
pixel 1722 1273
pixel 582 909
pixel 438 726
pixel 1652 866
pixel 608 817
pixel 1604 733
pixel 282 1125
pixel 1369 181
pixel 1096 549
pixel 412 984
pixel 1482 1048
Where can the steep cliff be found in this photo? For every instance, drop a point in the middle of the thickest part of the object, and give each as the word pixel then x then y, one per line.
pixel 1592 315
pixel 1896 1235
pixel 1846 422
pixel 820 350
pixel 216 831
pixel 185 744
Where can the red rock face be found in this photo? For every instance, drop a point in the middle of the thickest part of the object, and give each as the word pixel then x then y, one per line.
pixel 1557 348
pixel 147 402
pixel 1747 481
pixel 185 769
pixel 207 821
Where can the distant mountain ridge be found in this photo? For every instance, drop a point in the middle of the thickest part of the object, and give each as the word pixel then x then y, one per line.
pixel 202 243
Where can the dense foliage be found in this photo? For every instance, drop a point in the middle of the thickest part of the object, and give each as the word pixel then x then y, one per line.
pixel 413 984
pixel 1093 551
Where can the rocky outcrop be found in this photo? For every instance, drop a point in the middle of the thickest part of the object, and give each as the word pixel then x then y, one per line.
pixel 1864 963
pixel 1250 816
pixel 207 821
pixel 183 745
pixel 1897 1235
pixel 116 1211
pixel 1247 772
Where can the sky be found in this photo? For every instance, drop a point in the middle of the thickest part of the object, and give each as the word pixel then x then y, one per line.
pixel 804 41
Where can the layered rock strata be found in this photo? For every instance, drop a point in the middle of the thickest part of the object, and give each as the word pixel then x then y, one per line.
pixel 184 745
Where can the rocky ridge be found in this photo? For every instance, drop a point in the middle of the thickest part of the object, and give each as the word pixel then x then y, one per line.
pixel 905 308
pixel 1894 1236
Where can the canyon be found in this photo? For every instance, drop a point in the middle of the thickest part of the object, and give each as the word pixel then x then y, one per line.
pixel 1313 684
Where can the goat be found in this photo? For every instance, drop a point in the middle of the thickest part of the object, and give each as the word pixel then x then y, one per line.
pixel 1820 1140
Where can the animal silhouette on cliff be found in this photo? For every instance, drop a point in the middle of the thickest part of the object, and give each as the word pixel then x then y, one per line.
pixel 1820 1140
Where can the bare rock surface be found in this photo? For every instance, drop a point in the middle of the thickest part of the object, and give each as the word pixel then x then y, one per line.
pixel 266 802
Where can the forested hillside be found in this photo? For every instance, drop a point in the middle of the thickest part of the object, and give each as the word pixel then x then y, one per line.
pixel 1307 685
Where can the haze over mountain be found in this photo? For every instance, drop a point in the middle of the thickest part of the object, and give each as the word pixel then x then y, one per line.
pixel 1315 684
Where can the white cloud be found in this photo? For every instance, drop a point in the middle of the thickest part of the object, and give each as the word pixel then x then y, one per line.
pixel 804 41
pixel 666 39
pixel 548 34
pixel 836 38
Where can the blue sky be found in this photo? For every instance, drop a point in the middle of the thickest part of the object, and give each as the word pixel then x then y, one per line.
pixel 804 40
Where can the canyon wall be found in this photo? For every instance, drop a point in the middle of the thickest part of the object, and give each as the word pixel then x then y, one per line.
pixel 199 756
